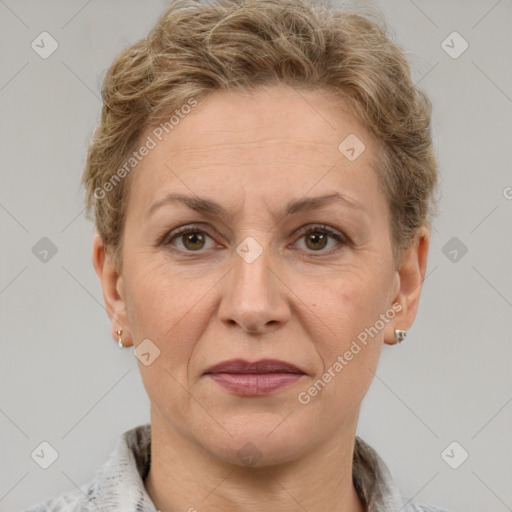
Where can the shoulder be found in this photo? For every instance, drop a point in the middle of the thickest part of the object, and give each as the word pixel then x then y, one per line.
pixel 376 486
pixel 418 507
pixel 67 501
pixel 117 485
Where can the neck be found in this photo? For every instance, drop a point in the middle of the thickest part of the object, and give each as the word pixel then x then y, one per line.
pixel 185 477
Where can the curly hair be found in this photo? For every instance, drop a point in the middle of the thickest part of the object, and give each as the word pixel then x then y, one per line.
pixel 196 49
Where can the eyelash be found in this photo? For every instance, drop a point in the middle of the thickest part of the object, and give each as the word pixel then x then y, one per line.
pixel 167 238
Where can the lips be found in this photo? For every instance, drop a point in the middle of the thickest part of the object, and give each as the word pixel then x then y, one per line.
pixel 240 366
pixel 257 379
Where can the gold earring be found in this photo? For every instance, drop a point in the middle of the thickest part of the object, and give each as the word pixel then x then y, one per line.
pixel 400 335
pixel 119 340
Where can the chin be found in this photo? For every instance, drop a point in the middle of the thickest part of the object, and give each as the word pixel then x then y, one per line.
pixel 258 444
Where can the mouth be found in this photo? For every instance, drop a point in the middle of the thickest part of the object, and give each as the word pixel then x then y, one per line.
pixel 257 378
pixel 239 366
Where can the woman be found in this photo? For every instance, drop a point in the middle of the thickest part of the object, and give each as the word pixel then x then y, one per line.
pixel 262 182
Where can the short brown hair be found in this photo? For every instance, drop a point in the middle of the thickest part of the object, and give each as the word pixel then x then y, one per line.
pixel 196 49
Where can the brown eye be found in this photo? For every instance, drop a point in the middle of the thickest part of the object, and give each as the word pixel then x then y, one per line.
pixel 317 239
pixel 193 241
pixel 188 239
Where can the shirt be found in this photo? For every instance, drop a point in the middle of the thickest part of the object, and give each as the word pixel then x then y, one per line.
pixel 119 483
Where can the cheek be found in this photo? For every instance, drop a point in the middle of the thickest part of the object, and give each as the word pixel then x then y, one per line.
pixel 349 305
pixel 167 307
pixel 158 297
pixel 349 361
pixel 349 310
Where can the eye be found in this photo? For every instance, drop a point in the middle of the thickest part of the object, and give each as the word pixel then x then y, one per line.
pixel 317 237
pixel 191 238
pixel 194 238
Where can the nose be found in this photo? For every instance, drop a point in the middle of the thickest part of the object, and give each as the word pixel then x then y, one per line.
pixel 254 295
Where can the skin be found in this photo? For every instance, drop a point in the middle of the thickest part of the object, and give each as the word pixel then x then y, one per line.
pixel 301 301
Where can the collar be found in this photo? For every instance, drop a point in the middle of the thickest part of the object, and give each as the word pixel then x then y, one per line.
pixel 119 483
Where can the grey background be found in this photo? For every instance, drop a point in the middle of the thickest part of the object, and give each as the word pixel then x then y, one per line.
pixel 65 381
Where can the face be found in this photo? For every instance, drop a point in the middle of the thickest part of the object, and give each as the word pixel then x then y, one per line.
pixel 259 271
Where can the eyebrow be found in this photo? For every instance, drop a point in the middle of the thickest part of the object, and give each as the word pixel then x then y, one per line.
pixel 208 206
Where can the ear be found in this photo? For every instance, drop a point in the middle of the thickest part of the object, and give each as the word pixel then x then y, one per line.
pixel 408 284
pixel 113 290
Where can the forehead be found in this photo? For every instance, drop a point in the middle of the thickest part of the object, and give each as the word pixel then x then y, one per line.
pixel 308 118
pixel 278 141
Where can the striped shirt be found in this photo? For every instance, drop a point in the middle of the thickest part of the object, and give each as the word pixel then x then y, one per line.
pixel 119 483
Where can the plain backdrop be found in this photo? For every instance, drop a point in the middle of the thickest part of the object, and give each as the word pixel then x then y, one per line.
pixel 65 382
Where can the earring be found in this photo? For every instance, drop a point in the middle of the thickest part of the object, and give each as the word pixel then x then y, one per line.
pixel 400 335
pixel 119 340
